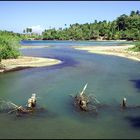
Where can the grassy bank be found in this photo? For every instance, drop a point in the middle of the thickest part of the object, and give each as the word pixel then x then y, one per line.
pixel 136 48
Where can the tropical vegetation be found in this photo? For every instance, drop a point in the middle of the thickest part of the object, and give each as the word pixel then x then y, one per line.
pixel 136 48
pixel 9 43
pixel 125 27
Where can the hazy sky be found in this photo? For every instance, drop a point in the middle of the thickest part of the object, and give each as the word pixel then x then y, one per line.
pixel 15 16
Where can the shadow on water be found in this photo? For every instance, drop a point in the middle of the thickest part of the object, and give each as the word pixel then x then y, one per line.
pixel 136 83
pixel 65 62
pixel 102 110
pixel 134 121
pixel 40 113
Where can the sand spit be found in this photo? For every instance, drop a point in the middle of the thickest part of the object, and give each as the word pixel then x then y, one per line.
pixel 26 62
pixel 121 51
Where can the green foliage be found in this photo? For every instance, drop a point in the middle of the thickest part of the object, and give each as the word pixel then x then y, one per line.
pixel 9 44
pixel 124 27
pixel 27 30
pixel 136 48
pixel 137 45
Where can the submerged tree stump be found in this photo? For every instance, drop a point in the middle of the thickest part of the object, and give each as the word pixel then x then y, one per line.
pixel 85 102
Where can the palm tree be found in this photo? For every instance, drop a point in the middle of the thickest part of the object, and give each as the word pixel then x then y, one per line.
pixel 138 12
pixel 30 30
pixel 27 30
pixel 132 13
pixel 24 31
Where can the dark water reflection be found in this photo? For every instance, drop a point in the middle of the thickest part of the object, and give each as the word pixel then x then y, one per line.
pixel 134 121
pixel 136 83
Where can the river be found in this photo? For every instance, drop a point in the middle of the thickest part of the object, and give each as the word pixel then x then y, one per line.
pixel 109 78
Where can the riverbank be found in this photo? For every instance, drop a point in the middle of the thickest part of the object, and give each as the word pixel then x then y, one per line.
pixel 121 51
pixel 23 62
pixel 32 47
pixel 93 40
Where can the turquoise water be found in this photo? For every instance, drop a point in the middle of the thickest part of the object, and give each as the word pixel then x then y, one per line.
pixel 110 78
pixel 72 43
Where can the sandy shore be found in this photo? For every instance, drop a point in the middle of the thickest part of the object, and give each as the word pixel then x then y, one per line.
pixel 31 47
pixel 121 51
pixel 26 62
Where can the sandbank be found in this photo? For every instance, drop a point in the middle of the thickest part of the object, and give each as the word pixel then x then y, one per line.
pixel 23 62
pixel 32 47
pixel 121 51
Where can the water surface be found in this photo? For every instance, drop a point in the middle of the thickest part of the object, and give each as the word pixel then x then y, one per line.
pixel 110 78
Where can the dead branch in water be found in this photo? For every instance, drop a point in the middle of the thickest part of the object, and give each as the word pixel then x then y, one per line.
pixel 86 102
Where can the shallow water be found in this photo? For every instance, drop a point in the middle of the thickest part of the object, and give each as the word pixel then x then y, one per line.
pixel 110 78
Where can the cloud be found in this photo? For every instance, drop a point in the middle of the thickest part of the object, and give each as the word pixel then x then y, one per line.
pixel 36 29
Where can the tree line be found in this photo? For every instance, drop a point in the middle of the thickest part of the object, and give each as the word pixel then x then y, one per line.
pixel 125 27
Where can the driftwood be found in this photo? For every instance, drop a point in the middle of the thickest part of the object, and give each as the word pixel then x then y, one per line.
pixel 11 107
pixel 20 109
pixel 86 102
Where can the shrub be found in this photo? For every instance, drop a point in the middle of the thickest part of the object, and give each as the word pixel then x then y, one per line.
pixel 8 47
pixel 136 48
